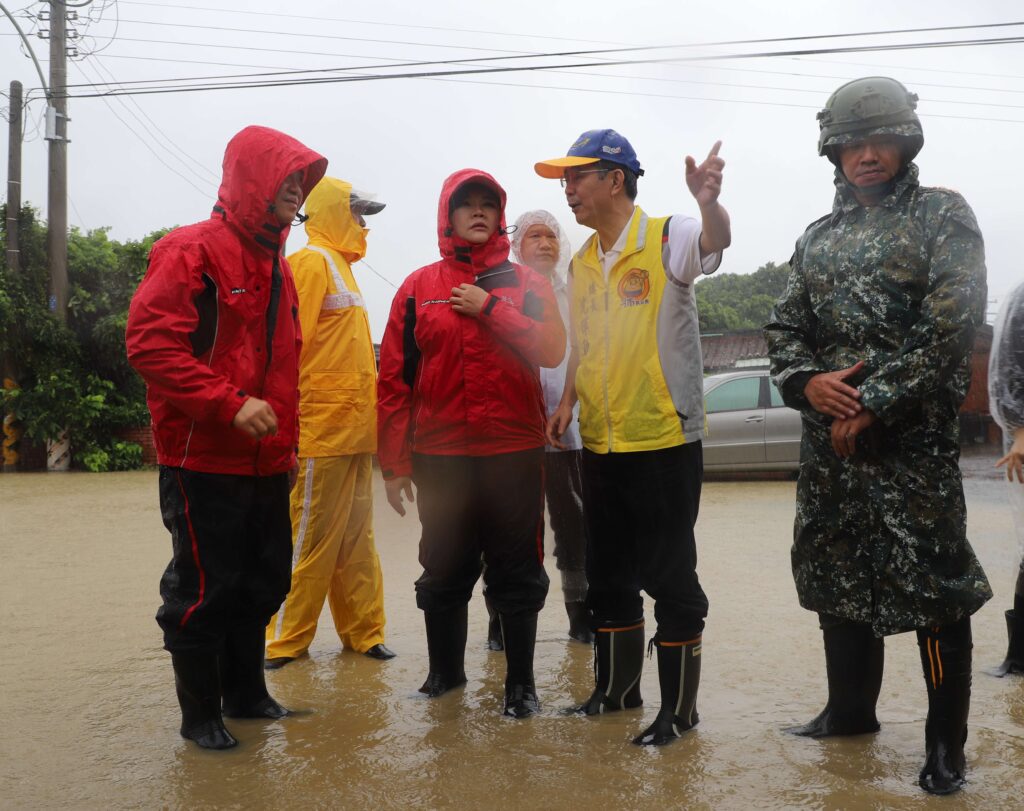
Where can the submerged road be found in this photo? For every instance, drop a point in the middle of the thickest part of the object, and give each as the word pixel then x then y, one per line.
pixel 90 719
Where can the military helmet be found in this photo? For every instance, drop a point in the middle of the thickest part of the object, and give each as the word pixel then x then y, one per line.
pixel 875 105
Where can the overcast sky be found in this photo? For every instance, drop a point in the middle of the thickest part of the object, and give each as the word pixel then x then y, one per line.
pixel 144 162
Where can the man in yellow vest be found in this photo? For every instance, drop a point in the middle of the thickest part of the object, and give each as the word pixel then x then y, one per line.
pixel 635 368
pixel 333 554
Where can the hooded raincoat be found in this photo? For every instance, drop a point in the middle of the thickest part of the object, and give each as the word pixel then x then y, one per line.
pixel 880 537
pixel 452 384
pixel 214 321
pixel 552 381
pixel 337 369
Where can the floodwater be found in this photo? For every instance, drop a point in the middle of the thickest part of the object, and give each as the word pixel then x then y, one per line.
pixel 90 719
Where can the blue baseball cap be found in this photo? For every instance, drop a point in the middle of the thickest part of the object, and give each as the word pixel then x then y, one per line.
pixel 591 147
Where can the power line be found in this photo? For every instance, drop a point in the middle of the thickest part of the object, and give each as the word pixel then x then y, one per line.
pixel 204 176
pixel 145 142
pixel 446 29
pixel 309 35
pixel 466 60
pixel 760 103
pixel 529 68
pixel 195 62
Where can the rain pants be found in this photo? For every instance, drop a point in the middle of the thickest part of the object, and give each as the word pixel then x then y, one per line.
pixel 333 553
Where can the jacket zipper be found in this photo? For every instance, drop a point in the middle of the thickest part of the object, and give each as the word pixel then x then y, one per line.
pixel 607 364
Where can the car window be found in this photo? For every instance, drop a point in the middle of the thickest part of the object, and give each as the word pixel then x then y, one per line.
pixel 735 395
pixel 776 394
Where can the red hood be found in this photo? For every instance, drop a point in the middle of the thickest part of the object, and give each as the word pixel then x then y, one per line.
pixel 256 162
pixel 491 253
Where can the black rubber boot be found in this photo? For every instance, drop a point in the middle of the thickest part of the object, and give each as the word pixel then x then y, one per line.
pixel 854 659
pixel 618 663
pixel 520 634
pixel 241 676
pixel 579 622
pixel 494 639
pixel 679 677
pixel 198 686
pixel 946 660
pixel 446 647
pixel 1014 661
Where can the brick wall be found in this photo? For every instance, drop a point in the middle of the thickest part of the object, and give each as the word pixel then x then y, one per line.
pixel 143 436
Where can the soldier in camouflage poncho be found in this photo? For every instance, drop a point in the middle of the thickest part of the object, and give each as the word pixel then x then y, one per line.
pixel 871 341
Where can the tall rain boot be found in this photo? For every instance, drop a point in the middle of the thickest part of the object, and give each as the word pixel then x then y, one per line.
pixel 679 677
pixel 618 663
pixel 241 675
pixel 854 658
pixel 197 684
pixel 1014 661
pixel 520 634
pixel 579 622
pixel 946 660
pixel 494 638
pixel 446 647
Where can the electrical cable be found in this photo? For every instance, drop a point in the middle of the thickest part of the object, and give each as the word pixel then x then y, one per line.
pixel 319 19
pixel 529 68
pixel 146 143
pixel 205 175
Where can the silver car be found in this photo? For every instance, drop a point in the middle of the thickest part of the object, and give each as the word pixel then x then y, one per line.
pixel 748 427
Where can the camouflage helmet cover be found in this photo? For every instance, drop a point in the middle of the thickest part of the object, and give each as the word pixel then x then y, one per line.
pixel 875 105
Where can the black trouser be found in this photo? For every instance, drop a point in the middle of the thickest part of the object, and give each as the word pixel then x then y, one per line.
pixel 564 490
pixel 231 564
pixel 489 506
pixel 640 509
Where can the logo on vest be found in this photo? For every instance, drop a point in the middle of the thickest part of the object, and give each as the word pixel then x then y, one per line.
pixel 634 288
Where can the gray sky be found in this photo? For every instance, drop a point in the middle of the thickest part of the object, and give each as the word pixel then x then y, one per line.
pixel 402 137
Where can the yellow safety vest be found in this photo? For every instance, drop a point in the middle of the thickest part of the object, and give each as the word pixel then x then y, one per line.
pixel 640 375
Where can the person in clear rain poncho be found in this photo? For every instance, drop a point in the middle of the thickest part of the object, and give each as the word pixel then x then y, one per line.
pixel 540 243
pixel 1006 400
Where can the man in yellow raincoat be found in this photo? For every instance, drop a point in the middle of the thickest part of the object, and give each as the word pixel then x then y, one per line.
pixel 333 554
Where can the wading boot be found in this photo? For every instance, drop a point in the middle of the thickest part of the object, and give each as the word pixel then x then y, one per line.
pixel 946 661
pixel 679 677
pixel 1014 661
pixel 446 648
pixel 494 640
pixel 197 684
pixel 520 634
pixel 854 657
pixel 618 662
pixel 241 676
pixel 579 622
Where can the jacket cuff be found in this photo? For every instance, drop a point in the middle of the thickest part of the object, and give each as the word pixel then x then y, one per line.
pixel 230 406
pixel 396 470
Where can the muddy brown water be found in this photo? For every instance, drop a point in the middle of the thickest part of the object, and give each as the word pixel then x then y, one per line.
pixel 90 720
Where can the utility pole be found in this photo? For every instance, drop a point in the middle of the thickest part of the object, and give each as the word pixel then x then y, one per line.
pixel 12 430
pixel 57 187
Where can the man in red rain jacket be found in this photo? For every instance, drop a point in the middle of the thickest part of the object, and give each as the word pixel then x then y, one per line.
pixel 213 331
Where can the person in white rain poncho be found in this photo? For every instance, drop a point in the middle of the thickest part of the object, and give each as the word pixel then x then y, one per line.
pixel 1006 400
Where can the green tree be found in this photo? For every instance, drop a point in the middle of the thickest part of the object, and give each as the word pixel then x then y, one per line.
pixel 75 375
pixel 734 301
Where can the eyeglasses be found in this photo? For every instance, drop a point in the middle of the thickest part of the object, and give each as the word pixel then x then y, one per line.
pixel 568 178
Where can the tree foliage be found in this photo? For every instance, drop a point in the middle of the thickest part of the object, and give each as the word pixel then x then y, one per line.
pixel 733 301
pixel 75 376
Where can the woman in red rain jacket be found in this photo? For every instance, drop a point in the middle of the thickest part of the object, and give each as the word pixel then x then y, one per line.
pixel 461 415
